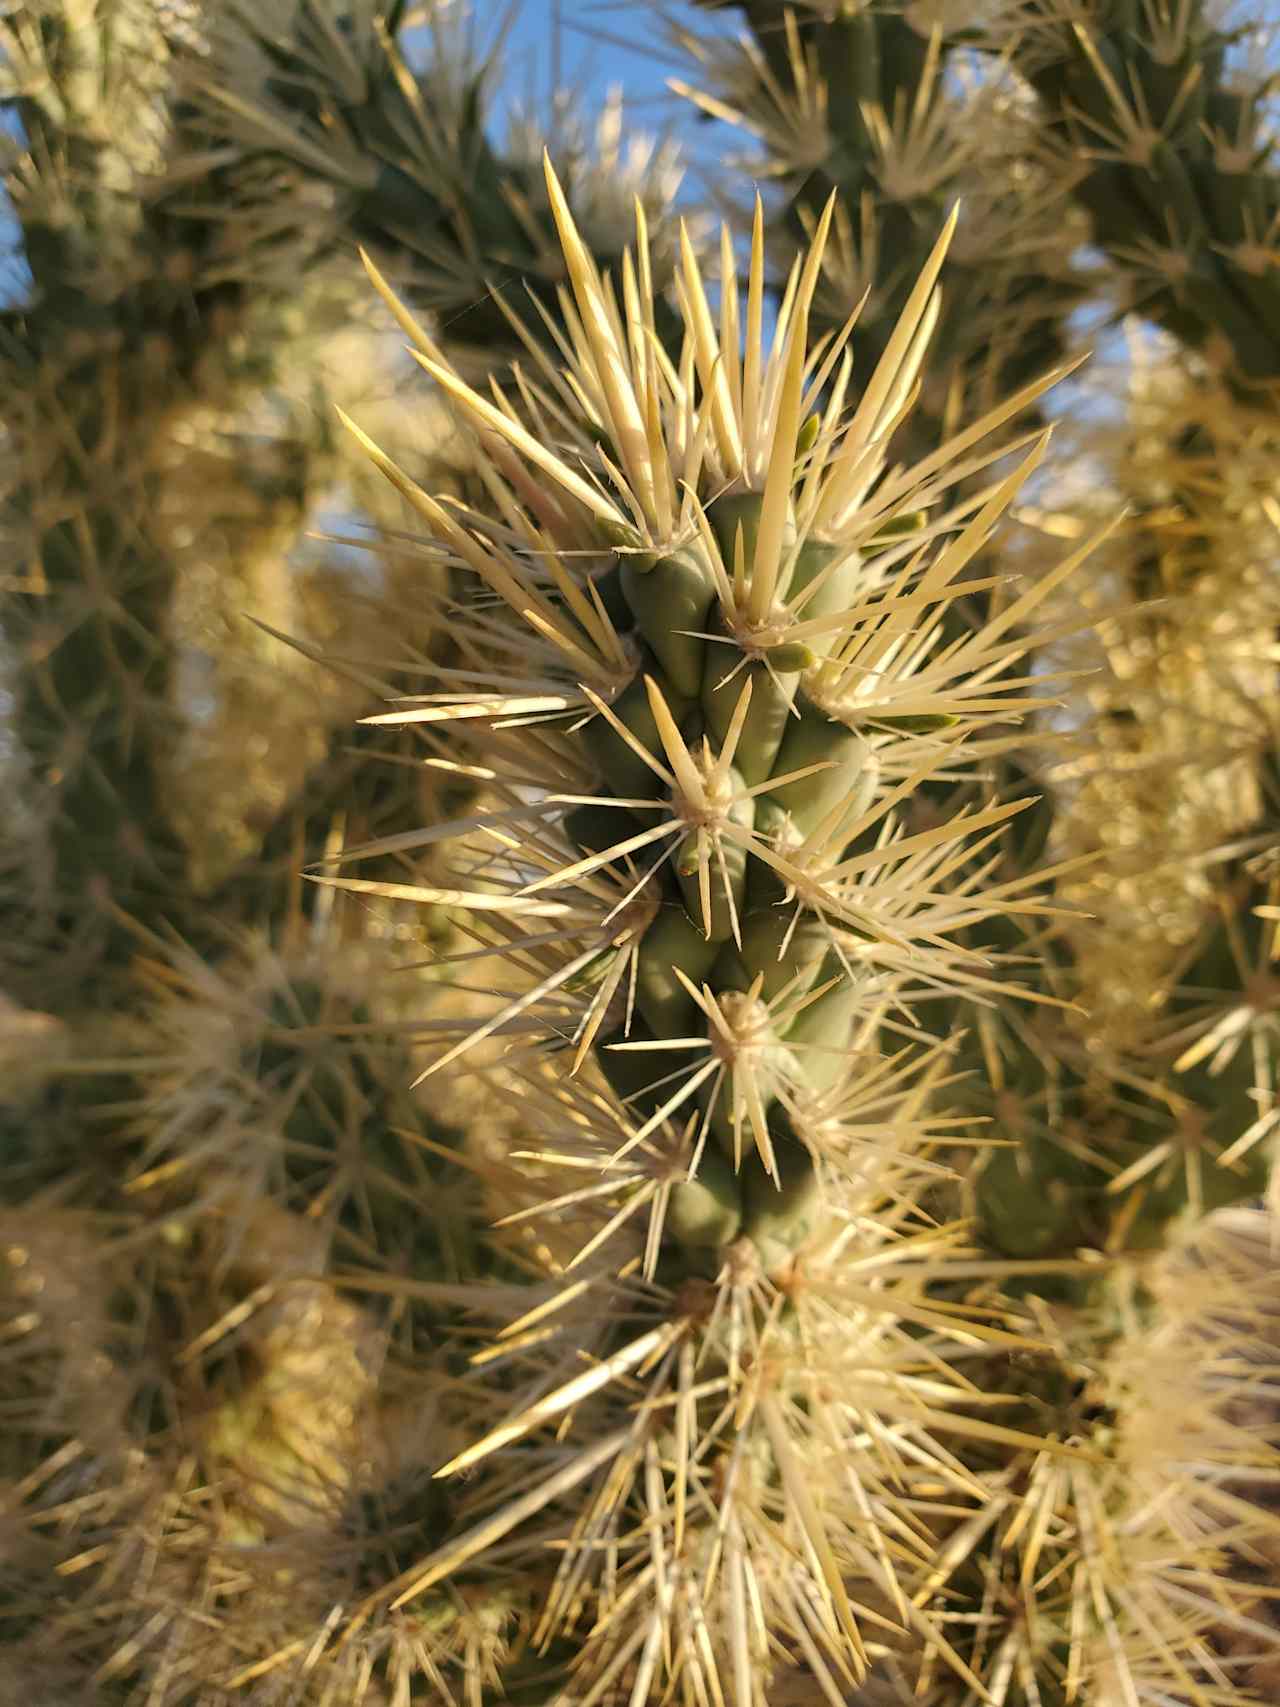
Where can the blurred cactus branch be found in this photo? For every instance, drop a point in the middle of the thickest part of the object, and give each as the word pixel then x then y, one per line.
pixel 91 359
pixel 398 152
pixel 180 171
pixel 1175 150
pixel 366 782
pixel 90 698
pixel 865 102
pixel 1156 134
pixel 129 328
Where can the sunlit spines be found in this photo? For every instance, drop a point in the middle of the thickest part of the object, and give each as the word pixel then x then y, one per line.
pixel 717 931
pixel 725 1379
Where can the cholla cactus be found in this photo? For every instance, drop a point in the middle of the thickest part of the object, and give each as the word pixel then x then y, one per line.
pixel 764 1246
pixel 717 673
pixel 733 632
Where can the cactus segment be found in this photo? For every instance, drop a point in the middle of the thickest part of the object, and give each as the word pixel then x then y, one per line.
pixel 735 514
pixel 813 738
pixel 706 1211
pixel 779 1214
pixel 728 972
pixel 616 759
pixel 781 950
pixel 772 696
pixel 820 1033
pixel 671 603
pixel 842 571
pixel 743 1033
pixel 672 939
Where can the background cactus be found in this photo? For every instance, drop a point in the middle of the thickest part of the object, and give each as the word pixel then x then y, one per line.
pixel 660 1081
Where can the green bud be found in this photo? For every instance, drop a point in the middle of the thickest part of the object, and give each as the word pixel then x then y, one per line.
pixel 924 723
pixel 629 543
pixel 807 437
pixel 791 656
pixel 901 526
pixel 592 974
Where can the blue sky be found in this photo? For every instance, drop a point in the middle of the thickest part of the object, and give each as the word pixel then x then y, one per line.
pixel 602 44
pixel 608 43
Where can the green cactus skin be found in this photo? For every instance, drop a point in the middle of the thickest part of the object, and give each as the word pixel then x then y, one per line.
pixel 669 604
pixel 773 691
pixel 706 1212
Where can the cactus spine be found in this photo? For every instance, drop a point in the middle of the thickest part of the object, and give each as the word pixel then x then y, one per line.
pixel 731 616
pixel 733 914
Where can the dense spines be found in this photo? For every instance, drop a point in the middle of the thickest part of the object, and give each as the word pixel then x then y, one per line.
pixel 755 963
pixel 746 846
pixel 887 109
pixel 1179 180
pixel 754 1181
pixel 730 912
pixel 1134 1570
pixel 228 1387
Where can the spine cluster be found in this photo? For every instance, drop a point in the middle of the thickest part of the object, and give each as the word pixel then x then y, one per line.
pixel 823 1256
pixel 708 668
